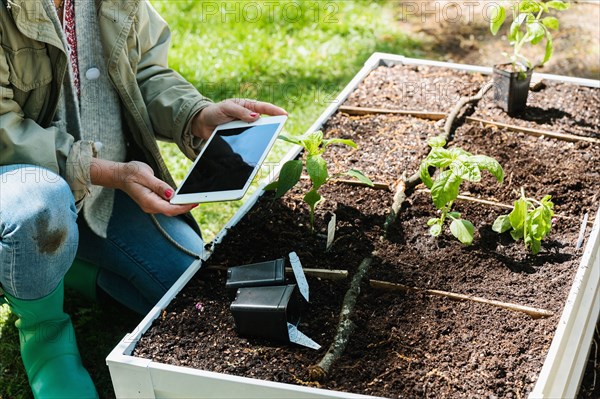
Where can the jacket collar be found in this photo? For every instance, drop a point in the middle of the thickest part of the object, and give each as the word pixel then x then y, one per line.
pixel 33 17
pixel 120 15
pixel 121 9
pixel 33 20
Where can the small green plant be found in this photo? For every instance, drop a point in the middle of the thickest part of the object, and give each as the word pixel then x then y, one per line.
pixel 455 165
pixel 314 146
pixel 529 25
pixel 530 220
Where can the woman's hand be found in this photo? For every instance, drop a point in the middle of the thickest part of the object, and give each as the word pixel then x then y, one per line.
pixel 138 181
pixel 229 110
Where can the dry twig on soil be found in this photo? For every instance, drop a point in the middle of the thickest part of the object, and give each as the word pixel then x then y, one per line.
pixel 318 372
pixel 536 313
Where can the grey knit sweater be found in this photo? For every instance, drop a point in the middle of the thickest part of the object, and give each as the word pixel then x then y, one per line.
pixel 96 115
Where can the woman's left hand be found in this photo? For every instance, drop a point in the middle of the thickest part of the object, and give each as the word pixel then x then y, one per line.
pixel 229 110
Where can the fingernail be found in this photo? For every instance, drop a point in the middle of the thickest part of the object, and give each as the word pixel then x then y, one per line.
pixel 168 193
pixel 254 114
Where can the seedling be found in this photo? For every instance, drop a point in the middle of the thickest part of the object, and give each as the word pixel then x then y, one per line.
pixel 455 165
pixel 314 146
pixel 530 220
pixel 529 26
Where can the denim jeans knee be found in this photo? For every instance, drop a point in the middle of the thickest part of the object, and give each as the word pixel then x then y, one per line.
pixel 38 230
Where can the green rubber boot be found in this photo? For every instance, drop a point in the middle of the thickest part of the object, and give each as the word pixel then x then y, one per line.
pixel 49 349
pixel 82 277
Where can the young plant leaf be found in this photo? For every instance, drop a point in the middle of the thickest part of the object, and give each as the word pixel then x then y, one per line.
pixel 360 176
pixel 439 157
pixel 312 142
pixel 289 139
pixel 549 50
pixel 517 234
pixel 312 198
pixel 463 230
pixel 536 32
pixel 347 142
pixel 317 170
pixel 316 166
pixel 424 174
pixel 457 153
pixel 513 33
pixel 271 186
pixel 288 177
pixel 518 214
pixel 490 164
pixel 501 224
pixel 557 5
pixel 435 230
pixel 535 246
pixel 455 165
pixel 532 224
pixel 546 201
pixel 437 141
pixel 465 170
pixel 445 188
pixel 540 220
pixel 432 221
pixel 550 22
pixel 529 6
pixel 497 18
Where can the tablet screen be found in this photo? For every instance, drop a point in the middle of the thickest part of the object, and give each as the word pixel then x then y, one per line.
pixel 229 159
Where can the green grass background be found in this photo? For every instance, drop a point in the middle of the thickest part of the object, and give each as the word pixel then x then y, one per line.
pixel 296 54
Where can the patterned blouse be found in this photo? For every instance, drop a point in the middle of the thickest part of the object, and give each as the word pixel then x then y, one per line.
pixel 71 36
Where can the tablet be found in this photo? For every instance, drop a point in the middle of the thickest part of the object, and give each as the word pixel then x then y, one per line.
pixel 228 162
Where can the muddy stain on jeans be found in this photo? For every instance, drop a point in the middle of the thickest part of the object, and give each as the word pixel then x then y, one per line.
pixel 49 241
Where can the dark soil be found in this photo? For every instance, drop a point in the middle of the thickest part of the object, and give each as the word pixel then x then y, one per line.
pixel 401 144
pixel 415 88
pixel 555 107
pixel 569 172
pixel 406 344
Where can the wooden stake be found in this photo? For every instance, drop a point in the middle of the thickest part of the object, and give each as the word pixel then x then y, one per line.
pixel 326 274
pixel 536 313
pixel 323 273
pixel 534 132
pixel 376 185
pixel 436 116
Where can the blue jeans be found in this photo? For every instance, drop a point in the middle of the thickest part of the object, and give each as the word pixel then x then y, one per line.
pixel 40 235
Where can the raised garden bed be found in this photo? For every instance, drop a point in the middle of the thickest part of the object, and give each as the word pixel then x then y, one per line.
pixel 411 343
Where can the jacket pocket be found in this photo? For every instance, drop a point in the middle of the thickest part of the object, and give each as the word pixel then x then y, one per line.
pixel 30 68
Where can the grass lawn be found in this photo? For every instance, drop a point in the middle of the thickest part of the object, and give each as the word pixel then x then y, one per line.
pixel 298 55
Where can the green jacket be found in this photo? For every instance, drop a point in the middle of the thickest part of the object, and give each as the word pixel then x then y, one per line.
pixel 157 102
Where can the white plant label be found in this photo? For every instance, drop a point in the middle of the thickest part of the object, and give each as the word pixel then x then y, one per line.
pixel 299 274
pixel 298 337
pixel 330 232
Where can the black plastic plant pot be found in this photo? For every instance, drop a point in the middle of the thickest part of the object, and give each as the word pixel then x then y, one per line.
pixel 264 312
pixel 511 88
pixel 255 275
